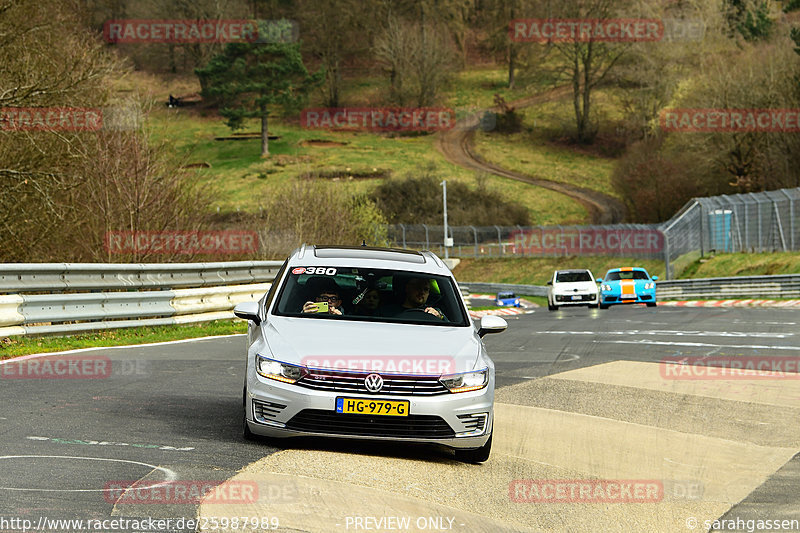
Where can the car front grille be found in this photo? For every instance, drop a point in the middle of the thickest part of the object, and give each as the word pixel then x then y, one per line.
pixel 399 427
pixel 266 410
pixel 353 382
pixel 611 299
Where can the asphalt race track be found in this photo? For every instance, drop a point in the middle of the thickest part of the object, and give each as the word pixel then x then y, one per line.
pixel 584 401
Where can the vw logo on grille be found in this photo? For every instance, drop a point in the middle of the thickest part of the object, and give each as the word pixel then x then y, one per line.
pixel 373 382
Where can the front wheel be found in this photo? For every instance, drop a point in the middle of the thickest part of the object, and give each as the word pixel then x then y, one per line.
pixel 592 306
pixel 552 307
pixel 602 306
pixel 478 455
pixel 651 304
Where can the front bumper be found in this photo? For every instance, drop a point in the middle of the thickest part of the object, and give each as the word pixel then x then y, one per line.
pixel 615 298
pixel 567 299
pixel 461 420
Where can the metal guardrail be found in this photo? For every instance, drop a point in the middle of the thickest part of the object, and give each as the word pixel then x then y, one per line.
pixel 53 277
pixel 51 298
pixel 40 314
pixel 781 286
pixel 491 288
pixel 158 294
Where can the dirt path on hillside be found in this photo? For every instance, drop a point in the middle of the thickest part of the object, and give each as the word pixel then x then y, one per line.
pixel 457 146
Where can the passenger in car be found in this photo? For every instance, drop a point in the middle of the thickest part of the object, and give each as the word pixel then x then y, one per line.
pixel 368 306
pixel 327 291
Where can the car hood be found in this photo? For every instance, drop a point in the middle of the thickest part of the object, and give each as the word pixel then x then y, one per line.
pixel 581 286
pixel 628 281
pixel 371 346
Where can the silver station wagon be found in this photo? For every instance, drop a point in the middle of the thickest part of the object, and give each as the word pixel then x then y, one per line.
pixel 369 343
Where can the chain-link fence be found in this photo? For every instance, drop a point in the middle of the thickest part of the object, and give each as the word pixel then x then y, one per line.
pixel 630 240
pixel 753 222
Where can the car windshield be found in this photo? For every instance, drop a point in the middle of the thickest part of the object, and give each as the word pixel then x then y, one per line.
pixel 626 274
pixel 571 277
pixel 504 295
pixel 374 295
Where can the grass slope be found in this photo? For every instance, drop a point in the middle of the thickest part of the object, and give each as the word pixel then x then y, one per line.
pixel 243 179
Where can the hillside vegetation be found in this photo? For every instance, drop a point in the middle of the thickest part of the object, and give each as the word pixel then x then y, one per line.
pixel 235 153
pixel 538 270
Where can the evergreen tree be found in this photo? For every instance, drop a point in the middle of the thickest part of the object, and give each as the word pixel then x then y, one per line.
pixel 248 78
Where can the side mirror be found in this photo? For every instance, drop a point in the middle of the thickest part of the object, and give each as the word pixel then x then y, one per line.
pixel 549 282
pixel 491 324
pixel 599 280
pixel 655 278
pixel 248 311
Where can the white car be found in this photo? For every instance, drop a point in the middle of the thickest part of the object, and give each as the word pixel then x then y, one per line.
pixel 369 343
pixel 570 288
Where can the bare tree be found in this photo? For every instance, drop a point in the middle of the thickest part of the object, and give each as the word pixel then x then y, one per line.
pixel 318 212
pixel 335 32
pixel 392 49
pixel 61 189
pixel 582 62
pixel 47 58
pixel 137 186
pixel 494 19
pixel 762 76
pixel 419 58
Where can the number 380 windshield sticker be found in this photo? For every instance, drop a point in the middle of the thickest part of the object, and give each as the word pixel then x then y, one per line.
pixel 319 271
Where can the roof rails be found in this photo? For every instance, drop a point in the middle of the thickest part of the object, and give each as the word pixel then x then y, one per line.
pixel 433 257
pixel 362 247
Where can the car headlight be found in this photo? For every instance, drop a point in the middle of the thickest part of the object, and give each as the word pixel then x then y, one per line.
pixel 605 287
pixel 650 285
pixel 272 369
pixel 466 381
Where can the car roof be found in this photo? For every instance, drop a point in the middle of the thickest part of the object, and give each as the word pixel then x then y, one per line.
pixel 571 270
pixel 626 269
pixel 368 257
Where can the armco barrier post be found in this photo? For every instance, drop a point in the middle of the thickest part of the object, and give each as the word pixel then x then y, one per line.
pixel 667 265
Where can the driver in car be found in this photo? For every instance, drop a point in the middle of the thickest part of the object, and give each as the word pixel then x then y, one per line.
pixel 416 293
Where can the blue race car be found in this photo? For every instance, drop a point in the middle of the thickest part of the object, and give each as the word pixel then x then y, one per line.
pixel 628 285
pixel 506 298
